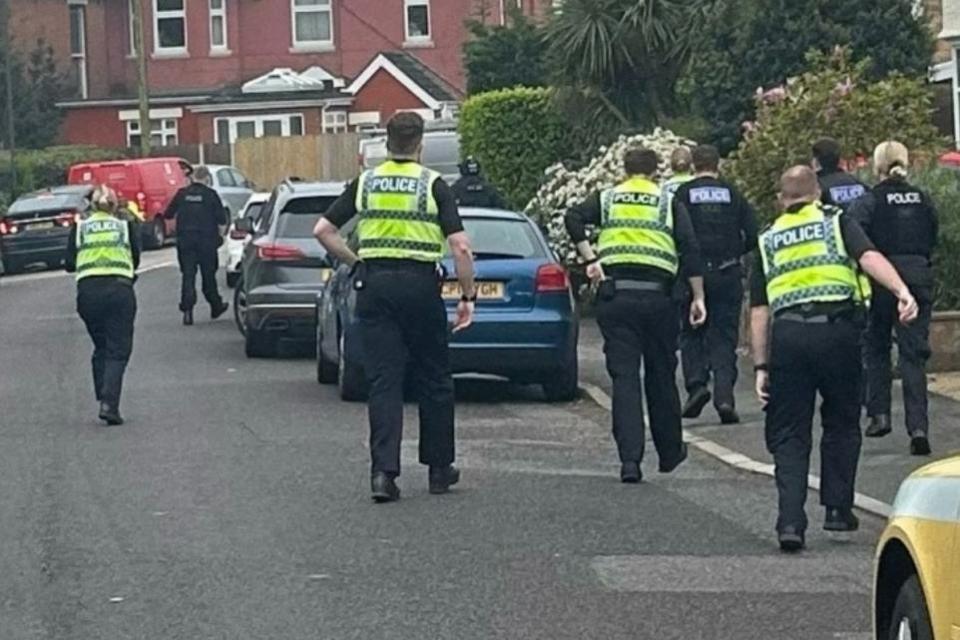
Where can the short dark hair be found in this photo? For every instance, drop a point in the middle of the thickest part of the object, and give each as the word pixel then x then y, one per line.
pixel 640 161
pixel 827 152
pixel 706 157
pixel 404 133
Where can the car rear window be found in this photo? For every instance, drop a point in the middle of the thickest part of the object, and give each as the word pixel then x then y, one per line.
pixel 253 210
pixel 300 216
pixel 51 202
pixel 495 238
pixel 441 153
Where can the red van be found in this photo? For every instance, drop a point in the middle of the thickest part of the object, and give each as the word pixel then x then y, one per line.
pixel 150 182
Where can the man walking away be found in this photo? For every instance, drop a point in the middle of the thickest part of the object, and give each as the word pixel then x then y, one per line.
pixel 473 190
pixel 200 216
pixel 837 187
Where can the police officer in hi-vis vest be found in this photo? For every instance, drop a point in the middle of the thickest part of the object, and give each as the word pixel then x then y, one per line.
pixel 104 252
pixel 407 215
pixel 902 221
pixel 644 244
pixel 806 278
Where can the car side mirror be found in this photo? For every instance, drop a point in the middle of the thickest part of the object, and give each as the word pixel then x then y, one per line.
pixel 244 225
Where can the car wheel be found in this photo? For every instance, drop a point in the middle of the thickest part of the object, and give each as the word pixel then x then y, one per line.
pixel 259 344
pixel 157 235
pixel 910 619
pixel 563 384
pixel 351 379
pixel 232 279
pixel 240 307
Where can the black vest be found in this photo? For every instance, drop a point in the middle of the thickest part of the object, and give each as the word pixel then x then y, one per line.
pixel 902 223
pixel 714 208
pixel 840 189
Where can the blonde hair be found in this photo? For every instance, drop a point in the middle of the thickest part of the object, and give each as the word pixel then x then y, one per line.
pixel 681 160
pixel 891 158
pixel 104 199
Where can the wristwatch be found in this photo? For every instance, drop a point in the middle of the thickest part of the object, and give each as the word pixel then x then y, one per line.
pixel 466 298
pixel 761 367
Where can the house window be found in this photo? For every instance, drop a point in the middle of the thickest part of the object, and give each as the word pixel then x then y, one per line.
pixel 417 19
pixel 169 26
pixel 334 121
pixel 131 28
pixel 238 127
pixel 312 23
pixel 78 46
pixel 163 133
pixel 218 25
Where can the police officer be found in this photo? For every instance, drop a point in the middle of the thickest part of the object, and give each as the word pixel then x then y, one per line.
pixel 902 221
pixel 200 216
pixel 104 252
pixel 806 277
pixel 642 246
pixel 406 211
pixel 837 187
pixel 472 189
pixel 726 229
pixel 681 165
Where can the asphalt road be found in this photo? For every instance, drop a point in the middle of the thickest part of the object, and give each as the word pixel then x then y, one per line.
pixel 233 504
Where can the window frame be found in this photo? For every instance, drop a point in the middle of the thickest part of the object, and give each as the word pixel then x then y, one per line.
pixel 169 135
pixel 158 15
pixel 340 121
pixel 223 47
pixel 409 38
pixel 310 45
pixel 285 119
pixel 131 31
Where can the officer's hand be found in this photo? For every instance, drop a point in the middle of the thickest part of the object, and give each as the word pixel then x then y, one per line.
pixel 698 312
pixel 908 308
pixel 763 387
pixel 595 272
pixel 464 316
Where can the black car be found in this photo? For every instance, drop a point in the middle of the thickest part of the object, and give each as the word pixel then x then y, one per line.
pixel 284 268
pixel 36 227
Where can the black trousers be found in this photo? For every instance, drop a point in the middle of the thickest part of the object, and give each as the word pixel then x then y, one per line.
pixel 108 308
pixel 195 252
pixel 712 348
pixel 640 328
pixel 403 328
pixel 913 345
pixel 805 359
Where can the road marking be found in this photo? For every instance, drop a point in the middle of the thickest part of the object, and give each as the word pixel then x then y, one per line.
pixel 740 461
pixel 154 267
pixel 116 599
pixel 56 275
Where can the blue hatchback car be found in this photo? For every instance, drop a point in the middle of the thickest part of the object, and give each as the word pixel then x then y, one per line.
pixel 525 327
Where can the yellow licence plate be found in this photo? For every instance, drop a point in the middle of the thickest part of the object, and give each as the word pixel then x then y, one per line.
pixel 485 290
pixel 325 274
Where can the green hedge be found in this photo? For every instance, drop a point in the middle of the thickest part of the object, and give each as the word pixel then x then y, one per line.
pixel 47 167
pixel 515 134
pixel 943 186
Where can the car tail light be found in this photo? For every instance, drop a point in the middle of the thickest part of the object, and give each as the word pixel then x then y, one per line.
pixel 68 218
pixel 278 252
pixel 8 228
pixel 237 234
pixel 552 278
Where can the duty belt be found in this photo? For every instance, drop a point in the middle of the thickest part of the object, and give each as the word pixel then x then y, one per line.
pixel 640 285
pixel 799 317
pixel 721 265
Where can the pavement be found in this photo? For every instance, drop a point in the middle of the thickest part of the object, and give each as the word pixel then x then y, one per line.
pixel 234 504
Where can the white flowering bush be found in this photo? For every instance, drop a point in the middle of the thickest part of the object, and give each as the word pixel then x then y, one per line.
pixel 562 188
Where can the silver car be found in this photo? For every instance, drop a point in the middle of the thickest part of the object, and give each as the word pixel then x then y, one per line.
pixel 232 186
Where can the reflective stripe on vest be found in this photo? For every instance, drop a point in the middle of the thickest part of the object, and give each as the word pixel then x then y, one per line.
pixel 805 260
pixel 103 247
pixel 637 227
pixel 399 217
pixel 671 186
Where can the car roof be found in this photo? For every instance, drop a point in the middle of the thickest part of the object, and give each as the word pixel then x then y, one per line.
pixel 259 196
pixel 947 468
pixel 491 214
pixel 63 189
pixel 134 161
pixel 327 188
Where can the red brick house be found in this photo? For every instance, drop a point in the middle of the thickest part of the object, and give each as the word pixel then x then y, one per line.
pixel 223 69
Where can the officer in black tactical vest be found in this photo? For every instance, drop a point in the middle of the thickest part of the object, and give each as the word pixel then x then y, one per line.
pixel 407 214
pixel 837 187
pixel 726 228
pixel 473 190
pixel 902 221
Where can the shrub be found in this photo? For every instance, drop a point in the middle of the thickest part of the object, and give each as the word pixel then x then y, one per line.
pixel 515 134
pixel 48 167
pixel 832 99
pixel 943 186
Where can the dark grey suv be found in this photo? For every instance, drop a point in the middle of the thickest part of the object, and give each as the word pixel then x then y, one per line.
pixel 284 268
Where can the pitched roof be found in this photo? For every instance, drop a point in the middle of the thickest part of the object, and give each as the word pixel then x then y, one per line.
pixel 413 74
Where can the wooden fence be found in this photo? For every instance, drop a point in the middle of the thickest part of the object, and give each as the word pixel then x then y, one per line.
pixel 267 161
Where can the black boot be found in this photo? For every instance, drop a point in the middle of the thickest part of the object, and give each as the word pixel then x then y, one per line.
pixel 840 520
pixel 791 539
pixel 667 467
pixel 630 473
pixel 383 488
pixel 879 426
pixel 442 478
pixel 698 399
pixel 728 415
pixel 219 310
pixel 188 317
pixel 919 444
pixel 110 414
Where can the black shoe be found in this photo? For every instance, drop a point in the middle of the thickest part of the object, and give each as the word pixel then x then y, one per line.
pixel 383 488
pixel 442 478
pixel 791 539
pixel 676 462
pixel 879 426
pixel 840 520
pixel 219 311
pixel 110 415
pixel 187 318
pixel 698 399
pixel 919 444
pixel 728 415
pixel 630 473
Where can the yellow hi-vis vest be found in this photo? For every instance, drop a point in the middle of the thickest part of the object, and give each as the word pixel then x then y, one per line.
pixel 103 247
pixel 670 187
pixel 637 227
pixel 805 260
pixel 398 214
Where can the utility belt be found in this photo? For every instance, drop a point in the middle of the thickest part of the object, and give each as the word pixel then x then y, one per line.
pixel 715 266
pixel 102 280
pixel 363 268
pixel 609 287
pixel 823 313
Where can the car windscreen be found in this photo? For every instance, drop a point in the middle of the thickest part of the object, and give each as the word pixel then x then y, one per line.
pixel 493 238
pixel 253 210
pixel 47 202
pixel 300 215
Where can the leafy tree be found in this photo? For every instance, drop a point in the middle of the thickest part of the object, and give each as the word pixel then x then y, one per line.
pixel 505 56
pixel 37 86
pixel 837 98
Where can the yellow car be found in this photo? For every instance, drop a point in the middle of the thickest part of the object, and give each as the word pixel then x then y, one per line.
pixel 917 578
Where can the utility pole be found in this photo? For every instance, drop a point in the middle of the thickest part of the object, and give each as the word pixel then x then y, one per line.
pixel 7 52
pixel 143 94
